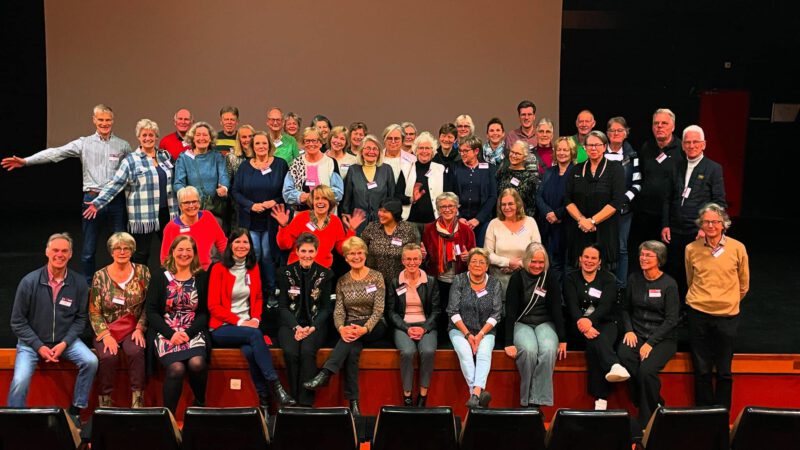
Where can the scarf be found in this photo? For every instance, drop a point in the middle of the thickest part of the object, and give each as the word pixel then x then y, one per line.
pixel 447 236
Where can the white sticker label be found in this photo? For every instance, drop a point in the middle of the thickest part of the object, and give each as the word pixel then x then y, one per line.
pixel 185 229
pixel 266 171
pixel 718 251
pixel 372 185
pixel 311 226
pixel 429 173
pixel 481 293
pixel 294 290
pixel 277 142
pixel 402 289
pixel 168 164
pixel 189 153
pixel 113 158
pixel 522 230
pixel 247 279
pixel 65 302
pixel 483 165
pixel 118 301
pixel 514 181
pixel 653 293
pixel 371 288
pixel 540 292
pixel 596 293
pixel 311 183
pixel 661 157
pixel 686 192
pixel 397 242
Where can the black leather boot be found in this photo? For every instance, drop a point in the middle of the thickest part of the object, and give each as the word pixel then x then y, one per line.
pixel 281 395
pixel 407 400
pixel 421 399
pixel 354 409
pixel 320 380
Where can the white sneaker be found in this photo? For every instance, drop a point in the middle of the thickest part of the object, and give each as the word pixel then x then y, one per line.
pixel 600 404
pixel 617 374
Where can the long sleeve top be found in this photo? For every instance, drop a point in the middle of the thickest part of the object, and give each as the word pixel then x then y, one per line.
pixel 206 232
pixel 255 186
pixel 385 250
pixel 503 245
pixel 657 167
pixel 522 295
pixel 331 237
pixel 650 308
pixel 305 296
pixel 591 299
pixel 476 189
pixel 157 305
pixel 221 281
pixel 718 278
pixel 109 300
pixel 206 172
pixel 358 300
pixel 428 292
pixel 629 159
pixel 474 311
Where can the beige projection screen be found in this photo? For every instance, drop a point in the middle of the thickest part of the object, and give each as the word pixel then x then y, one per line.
pixel 371 60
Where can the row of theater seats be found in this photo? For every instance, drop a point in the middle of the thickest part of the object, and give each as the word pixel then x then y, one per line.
pixel 401 429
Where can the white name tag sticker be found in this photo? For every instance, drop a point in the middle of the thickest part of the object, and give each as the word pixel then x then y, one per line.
pixel 118 301
pixel 302 151
pixel 596 293
pixel 372 185
pixel 311 226
pixel 113 158
pixel 185 229
pixel 168 164
pixel 514 181
pixel 397 242
pixel 661 157
pixel 540 292
pixel 686 192
pixel 654 293
pixel 483 165
pixel 429 173
pixel 266 171
pixel 189 153
pixel 311 183
pixel 345 166
pixel 277 142
pixel 481 293
pixel 247 279
pixel 65 302
pixel 294 290
pixel 371 288
pixel 718 251
pixel 522 230
pixel 402 289
pixel 168 275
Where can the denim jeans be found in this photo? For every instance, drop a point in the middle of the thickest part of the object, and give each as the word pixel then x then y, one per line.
pixel 622 265
pixel 536 359
pixel 475 368
pixel 113 215
pixel 25 364
pixel 255 350
pixel 267 257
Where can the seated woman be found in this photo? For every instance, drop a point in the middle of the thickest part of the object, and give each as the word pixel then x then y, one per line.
pixel 305 302
pixel 590 294
pixel 473 319
pixel 234 303
pixel 116 312
pixel 386 237
pixel 413 308
pixel 535 325
pixel 358 317
pixel 200 225
pixel 177 313
pixel 650 317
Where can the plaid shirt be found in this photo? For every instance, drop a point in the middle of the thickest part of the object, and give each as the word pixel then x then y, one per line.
pixel 139 177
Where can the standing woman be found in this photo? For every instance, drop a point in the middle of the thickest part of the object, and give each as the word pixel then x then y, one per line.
pixel 146 175
pixel 516 176
pixel 368 183
pixel 201 225
pixel 177 313
pixel 292 124
pixel 358 317
pixel 543 150
pixel 386 238
pixel 550 204
pixel 595 192
pixel 116 312
pixel 337 150
pixel 309 170
pixel 409 136
pixel 394 155
pixel 305 302
pixel 204 168
pixel 465 127
pixel 235 305
pixel 258 188
pixel 241 152
pixel 475 307
pixel 420 183
pixel 324 125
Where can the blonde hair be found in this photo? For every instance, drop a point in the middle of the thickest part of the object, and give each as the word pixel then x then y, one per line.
pixel 237 145
pixel 169 263
pixel 354 243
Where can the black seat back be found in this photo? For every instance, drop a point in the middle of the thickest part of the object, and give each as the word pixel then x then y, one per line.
pixel 239 428
pixel 405 428
pixel 134 429
pixel 515 428
pixel 597 430
pixel 314 428
pixel 32 428
pixel 766 428
pixel 691 428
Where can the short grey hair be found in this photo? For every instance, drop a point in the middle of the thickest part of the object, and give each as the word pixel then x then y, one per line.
pixel 531 250
pixel 665 111
pixel 146 124
pixel 186 191
pixel 545 121
pixel 424 137
pixel 479 251
pixel 715 208
pixel 621 121
pixel 405 125
pixel 189 138
pixel 101 108
pixel 63 235
pixel 696 129
pixel 468 119
pixel 121 237
pixel 522 145
pixel 444 196
pixel 599 135
pixel 656 247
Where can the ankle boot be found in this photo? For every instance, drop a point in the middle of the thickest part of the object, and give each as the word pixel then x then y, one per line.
pixel 104 401
pixel 407 400
pixel 354 409
pixel 421 399
pixel 281 395
pixel 263 400
pixel 320 380
pixel 137 399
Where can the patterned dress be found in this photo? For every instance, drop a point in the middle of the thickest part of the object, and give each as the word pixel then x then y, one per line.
pixel 181 304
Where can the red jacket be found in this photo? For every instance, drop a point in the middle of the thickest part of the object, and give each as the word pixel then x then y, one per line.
pixel 465 238
pixel 220 289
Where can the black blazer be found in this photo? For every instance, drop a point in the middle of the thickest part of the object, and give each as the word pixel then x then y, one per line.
pixel 396 304
pixel 157 304
pixel 312 306
pixel 707 186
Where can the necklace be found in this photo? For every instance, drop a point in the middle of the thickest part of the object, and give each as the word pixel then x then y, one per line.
pixel 476 282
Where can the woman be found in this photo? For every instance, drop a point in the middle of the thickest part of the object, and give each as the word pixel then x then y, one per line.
pixel 409 136
pixel 413 308
pixel 446 244
pixel 146 175
pixel 306 290
pixel 535 325
pixel 292 123
pixel 550 203
pixel 590 294
pixel 543 150
pixel 421 183
pixel 358 317
pixel 324 125
pixel 177 313
pixel 507 237
pixel 472 321
pixel 258 188
pixel 368 183
pixel 355 137
pixel 393 155
pixel 465 127
pixel 595 192
pixel 386 237
pixel 447 153
pixel 204 168
pixel 201 225
pixel 494 149
pixel 242 150
pixel 116 312
pixel 516 176
pixel 235 304
pixel 650 318
pixel 309 170
pixel 319 221
pixel 337 150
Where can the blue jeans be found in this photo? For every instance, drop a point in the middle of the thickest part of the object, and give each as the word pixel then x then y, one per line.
pixel 622 267
pixel 267 260
pixel 474 367
pixel 255 350
pixel 113 215
pixel 25 364
pixel 536 359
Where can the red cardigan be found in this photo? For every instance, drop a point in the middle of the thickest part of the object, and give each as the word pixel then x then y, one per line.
pixel 465 238
pixel 220 290
pixel 332 236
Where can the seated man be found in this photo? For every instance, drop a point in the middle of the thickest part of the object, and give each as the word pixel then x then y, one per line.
pixel 49 314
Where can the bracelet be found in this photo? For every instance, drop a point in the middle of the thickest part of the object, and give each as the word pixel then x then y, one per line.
pixel 468 334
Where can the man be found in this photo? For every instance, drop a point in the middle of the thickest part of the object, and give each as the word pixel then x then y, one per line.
pixel 100 154
pixel 527 126
pixel 494 150
pixel 657 159
pixel 48 316
pixel 173 143
pixel 698 181
pixel 226 138
pixel 475 184
pixel 718 274
pixel 285 145
pixel 584 123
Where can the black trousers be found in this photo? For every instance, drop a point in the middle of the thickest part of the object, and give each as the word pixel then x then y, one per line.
pixel 346 355
pixel 301 361
pixel 712 339
pixel 144 241
pixel 645 384
pixel 600 356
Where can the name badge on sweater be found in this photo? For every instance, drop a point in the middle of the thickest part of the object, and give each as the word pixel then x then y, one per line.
pixel 402 289
pixel 168 164
pixel 718 251
pixel 514 181
pixel 428 173
pixel 481 293
pixel 311 183
pixel 247 279
pixel 311 226
pixel 371 288
pixel 540 292
pixel 266 171
pixel 521 230
pixel 184 229
pixel 372 185
pixel 118 301
pixel 483 165
pixel 277 142
pixel 654 293
pixel 345 166
pixel 65 302
pixel 189 153
pixel 596 293
pixel 294 290
pixel 686 192
pixel 661 157
pixel 397 242
pixel 113 158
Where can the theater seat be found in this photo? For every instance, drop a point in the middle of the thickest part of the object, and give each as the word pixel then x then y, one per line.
pixel 595 430
pixel 515 428
pixel 402 428
pixel 766 428
pixel 37 428
pixel 235 428
pixel 314 428
pixel 134 429
pixel 694 428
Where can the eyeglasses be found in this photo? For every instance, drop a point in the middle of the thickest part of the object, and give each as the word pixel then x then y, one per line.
pixel 464 150
pixel 447 206
pixel 122 249
pixel 393 138
pixel 692 143
pixel 190 202
pixel 594 145
pixel 274 120
pixel 462 126
pixel 710 222
pixel 311 141
pixel 616 130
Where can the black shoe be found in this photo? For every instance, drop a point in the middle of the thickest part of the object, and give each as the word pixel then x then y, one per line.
pixel 354 409
pixel 408 400
pixel 281 395
pixel 263 401
pixel 473 401
pixel 421 399
pixel 484 399
pixel 320 380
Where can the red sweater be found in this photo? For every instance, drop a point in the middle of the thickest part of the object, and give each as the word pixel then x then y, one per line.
pixel 220 290
pixel 174 145
pixel 332 235
pixel 465 238
pixel 206 232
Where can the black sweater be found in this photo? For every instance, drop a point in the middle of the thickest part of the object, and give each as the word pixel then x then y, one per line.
pixel 517 299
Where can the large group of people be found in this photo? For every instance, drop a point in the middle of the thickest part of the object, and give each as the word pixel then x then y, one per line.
pixel 403 238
